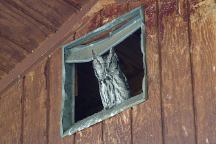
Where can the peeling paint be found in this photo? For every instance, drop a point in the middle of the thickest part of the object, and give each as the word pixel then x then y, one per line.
pixel 99 6
pixel 207 141
pixel 201 11
pixel 214 68
pixel 185 131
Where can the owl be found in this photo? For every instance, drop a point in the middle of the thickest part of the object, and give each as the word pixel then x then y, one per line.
pixel 113 85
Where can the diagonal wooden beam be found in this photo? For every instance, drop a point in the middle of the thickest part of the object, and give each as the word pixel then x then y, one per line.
pixel 50 44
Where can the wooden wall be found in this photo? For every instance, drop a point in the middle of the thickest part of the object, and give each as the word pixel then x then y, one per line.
pixel 181 109
pixel 26 24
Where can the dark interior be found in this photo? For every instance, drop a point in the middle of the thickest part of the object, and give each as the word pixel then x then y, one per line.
pixel 87 101
pixel 131 61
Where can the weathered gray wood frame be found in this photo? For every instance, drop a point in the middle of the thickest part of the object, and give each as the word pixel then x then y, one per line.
pixel 74 52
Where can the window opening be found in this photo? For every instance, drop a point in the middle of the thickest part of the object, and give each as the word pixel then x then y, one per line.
pixel 114 51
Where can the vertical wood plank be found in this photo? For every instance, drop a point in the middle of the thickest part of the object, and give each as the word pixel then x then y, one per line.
pixel 146 120
pixel 203 44
pixel 10 114
pixel 54 71
pixel 177 100
pixel 93 134
pixel 35 107
pixel 112 11
pixel 116 130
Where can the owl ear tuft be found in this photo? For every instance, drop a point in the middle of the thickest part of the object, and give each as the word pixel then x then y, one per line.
pixel 94 55
pixel 111 52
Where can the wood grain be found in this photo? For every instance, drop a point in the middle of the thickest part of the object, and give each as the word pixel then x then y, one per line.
pixel 11 50
pixel 91 135
pixel 10 114
pixel 49 45
pixel 54 73
pixel 26 24
pixel 146 120
pixel 117 129
pixel 112 11
pixel 2 73
pixel 12 25
pixel 203 52
pixel 35 106
pixel 177 100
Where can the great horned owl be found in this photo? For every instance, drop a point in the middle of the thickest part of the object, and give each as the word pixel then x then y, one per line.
pixel 113 84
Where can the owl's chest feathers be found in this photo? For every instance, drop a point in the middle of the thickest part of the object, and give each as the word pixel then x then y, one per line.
pixel 113 88
pixel 109 79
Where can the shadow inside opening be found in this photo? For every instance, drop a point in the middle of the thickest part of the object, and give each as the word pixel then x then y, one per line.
pixel 87 99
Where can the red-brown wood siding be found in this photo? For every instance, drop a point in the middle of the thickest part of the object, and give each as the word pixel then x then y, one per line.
pixel 181 49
